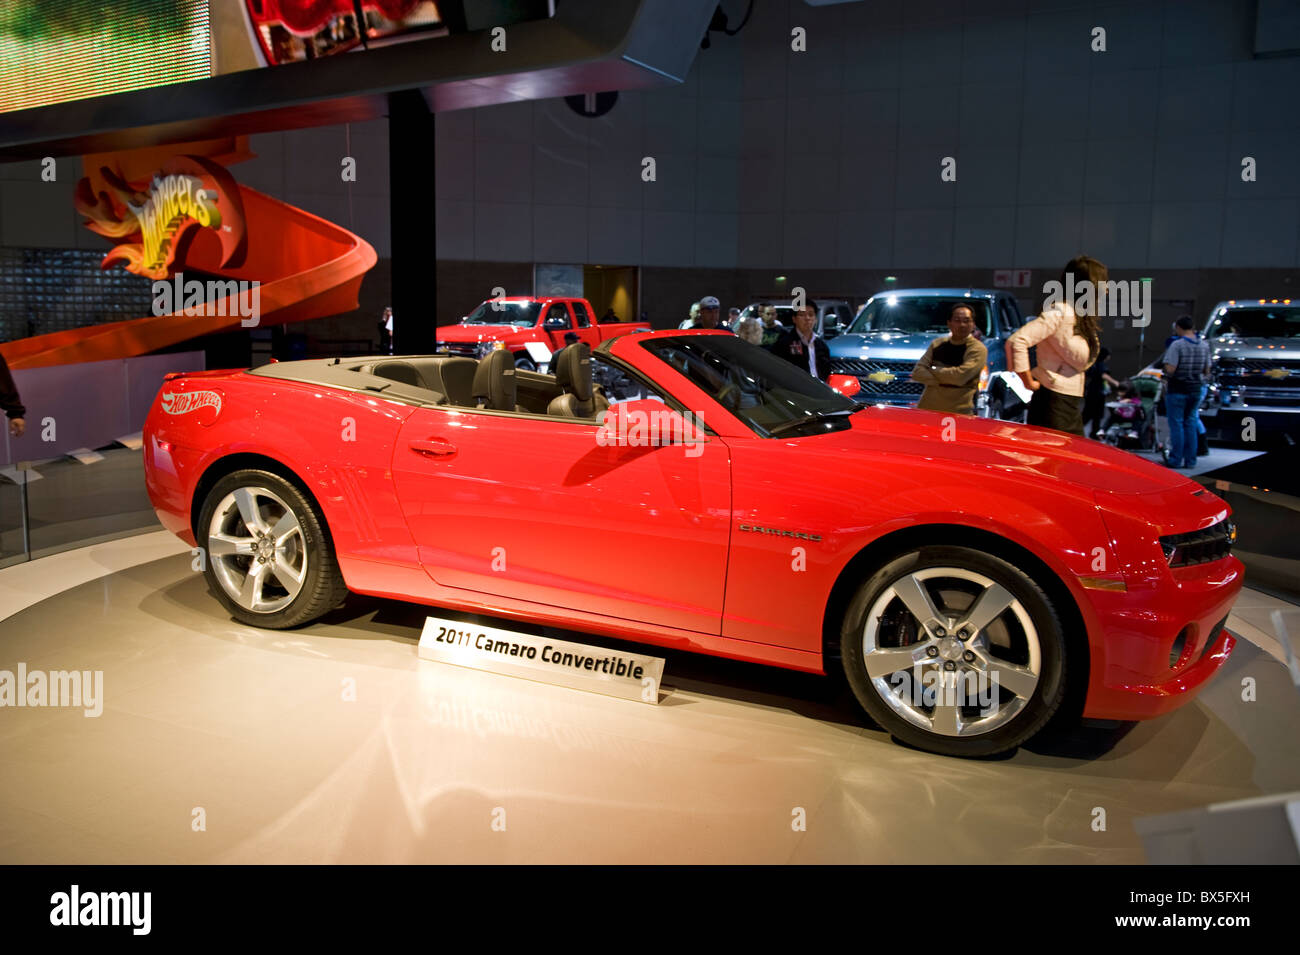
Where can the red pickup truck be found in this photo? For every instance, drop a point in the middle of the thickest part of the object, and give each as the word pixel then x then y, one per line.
pixel 518 321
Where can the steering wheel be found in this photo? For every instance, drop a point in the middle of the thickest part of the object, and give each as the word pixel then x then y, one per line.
pixel 730 388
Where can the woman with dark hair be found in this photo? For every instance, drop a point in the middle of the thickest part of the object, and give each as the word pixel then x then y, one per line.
pixel 1068 343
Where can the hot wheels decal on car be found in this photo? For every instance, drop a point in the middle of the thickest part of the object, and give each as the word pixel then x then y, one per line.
pixel 183 402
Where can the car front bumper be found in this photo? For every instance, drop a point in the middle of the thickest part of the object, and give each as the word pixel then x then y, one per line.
pixel 1160 646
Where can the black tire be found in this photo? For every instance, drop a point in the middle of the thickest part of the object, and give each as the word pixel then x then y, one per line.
pixel 1022 719
pixel 321 588
pixel 524 363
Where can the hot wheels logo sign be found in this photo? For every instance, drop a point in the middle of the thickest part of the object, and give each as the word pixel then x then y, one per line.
pixel 183 402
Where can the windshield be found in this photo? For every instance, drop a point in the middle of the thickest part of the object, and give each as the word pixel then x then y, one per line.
pixel 892 313
pixel 766 392
pixel 523 314
pixel 1262 321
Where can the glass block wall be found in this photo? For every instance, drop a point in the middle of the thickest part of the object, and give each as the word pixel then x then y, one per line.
pixel 50 290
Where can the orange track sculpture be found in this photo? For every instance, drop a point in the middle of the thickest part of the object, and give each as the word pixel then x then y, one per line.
pixel 308 268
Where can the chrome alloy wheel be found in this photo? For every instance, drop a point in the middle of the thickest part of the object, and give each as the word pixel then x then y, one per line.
pixel 256 547
pixel 951 651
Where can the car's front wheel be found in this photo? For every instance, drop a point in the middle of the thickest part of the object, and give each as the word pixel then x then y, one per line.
pixel 954 651
pixel 524 363
pixel 269 557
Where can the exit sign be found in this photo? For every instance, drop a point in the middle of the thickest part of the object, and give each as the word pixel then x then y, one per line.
pixel 1011 278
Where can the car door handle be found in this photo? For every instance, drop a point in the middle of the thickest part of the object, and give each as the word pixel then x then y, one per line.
pixel 434 447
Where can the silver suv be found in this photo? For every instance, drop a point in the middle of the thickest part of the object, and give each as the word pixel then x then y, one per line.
pixel 1255 365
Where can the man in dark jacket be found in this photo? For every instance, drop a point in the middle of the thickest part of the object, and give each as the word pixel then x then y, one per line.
pixel 9 403
pixel 801 346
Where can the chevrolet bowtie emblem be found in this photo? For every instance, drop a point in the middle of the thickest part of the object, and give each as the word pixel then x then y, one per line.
pixel 1277 374
pixel 881 377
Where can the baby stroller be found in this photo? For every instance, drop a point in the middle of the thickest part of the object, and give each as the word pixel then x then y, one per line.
pixel 1149 386
pixel 1127 423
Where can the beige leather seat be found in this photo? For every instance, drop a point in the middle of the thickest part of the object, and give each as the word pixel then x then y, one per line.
pixel 454 377
pixel 578 398
pixel 400 371
pixel 495 387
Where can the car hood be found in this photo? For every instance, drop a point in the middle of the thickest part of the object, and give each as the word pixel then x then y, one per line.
pixel 983 444
pixel 1266 349
pixel 885 345
pixel 476 333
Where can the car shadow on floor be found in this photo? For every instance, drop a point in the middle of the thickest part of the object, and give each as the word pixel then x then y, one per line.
pixel 828 698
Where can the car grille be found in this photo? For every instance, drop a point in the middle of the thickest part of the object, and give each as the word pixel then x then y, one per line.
pixel 1259 373
pixel 900 389
pixel 1199 547
pixel 459 348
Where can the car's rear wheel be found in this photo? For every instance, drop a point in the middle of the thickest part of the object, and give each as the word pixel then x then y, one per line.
pixel 270 559
pixel 955 651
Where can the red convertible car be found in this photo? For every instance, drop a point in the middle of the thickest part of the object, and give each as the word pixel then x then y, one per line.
pixel 971 577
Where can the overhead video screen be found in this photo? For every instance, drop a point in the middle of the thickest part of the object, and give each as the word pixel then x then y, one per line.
pixel 54 52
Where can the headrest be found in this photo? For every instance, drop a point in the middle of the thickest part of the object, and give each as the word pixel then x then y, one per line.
pixel 573 371
pixel 494 381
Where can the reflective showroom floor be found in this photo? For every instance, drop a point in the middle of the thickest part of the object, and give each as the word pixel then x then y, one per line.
pixel 250 731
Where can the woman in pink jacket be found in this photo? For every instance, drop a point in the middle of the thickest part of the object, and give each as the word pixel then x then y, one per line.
pixel 1068 343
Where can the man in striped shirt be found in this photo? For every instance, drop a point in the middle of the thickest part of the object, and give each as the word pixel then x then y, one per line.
pixel 1187 369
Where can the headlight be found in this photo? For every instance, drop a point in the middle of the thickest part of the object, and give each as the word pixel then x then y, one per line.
pixel 482 349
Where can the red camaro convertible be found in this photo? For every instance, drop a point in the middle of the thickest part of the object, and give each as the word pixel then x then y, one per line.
pixel 972 577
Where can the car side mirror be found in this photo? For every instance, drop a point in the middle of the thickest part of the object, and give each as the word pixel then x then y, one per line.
pixel 645 422
pixel 846 385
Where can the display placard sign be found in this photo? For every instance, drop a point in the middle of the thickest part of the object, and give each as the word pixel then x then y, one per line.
pixel 578 666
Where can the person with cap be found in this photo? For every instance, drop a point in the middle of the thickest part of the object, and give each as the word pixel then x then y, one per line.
pixel 709 314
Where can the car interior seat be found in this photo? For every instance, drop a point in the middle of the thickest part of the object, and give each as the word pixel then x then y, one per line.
pixel 402 371
pixel 495 388
pixel 578 395
pixel 405 373
pixel 454 377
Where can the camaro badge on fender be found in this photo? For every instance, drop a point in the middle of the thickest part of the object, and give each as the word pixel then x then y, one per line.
pixel 755 529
